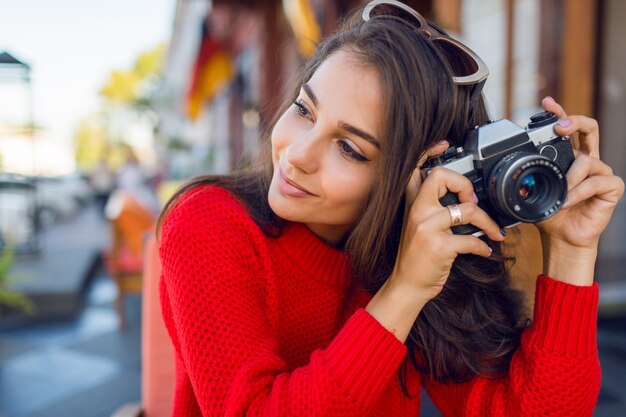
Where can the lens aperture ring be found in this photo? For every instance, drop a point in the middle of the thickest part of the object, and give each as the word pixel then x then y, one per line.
pixel 527 187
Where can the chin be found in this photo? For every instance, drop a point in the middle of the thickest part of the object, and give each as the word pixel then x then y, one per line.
pixel 276 201
pixel 282 206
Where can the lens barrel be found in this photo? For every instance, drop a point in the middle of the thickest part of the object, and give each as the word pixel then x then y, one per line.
pixel 527 187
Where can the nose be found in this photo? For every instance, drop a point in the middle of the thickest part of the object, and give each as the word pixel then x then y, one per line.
pixel 304 152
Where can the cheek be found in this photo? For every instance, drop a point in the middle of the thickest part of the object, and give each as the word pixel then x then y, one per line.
pixel 349 189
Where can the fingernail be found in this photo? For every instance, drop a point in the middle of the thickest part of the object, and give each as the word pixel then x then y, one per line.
pixel 442 142
pixel 475 198
pixel 564 123
pixel 490 251
pixel 502 232
pixel 550 99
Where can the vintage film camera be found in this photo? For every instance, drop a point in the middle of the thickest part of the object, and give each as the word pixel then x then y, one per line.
pixel 518 172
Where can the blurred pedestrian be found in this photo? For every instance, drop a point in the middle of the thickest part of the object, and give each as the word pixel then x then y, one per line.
pixel 103 181
pixel 329 282
pixel 132 180
pixel 159 176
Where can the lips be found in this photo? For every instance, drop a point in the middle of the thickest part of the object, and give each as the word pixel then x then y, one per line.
pixel 290 187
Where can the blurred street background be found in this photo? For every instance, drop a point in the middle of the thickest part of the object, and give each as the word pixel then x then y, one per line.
pixel 106 107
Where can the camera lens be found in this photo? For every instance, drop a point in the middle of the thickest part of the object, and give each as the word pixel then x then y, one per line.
pixel 527 187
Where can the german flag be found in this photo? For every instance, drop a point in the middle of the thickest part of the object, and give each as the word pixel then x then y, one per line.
pixel 306 30
pixel 212 71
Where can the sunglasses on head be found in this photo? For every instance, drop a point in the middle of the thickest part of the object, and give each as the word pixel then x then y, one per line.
pixel 467 67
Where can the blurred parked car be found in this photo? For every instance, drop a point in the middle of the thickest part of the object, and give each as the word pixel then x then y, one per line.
pixel 77 185
pixel 58 198
pixel 18 226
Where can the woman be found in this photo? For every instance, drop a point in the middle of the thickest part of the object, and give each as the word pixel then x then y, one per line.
pixel 329 283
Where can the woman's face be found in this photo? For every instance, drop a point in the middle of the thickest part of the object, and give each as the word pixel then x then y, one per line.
pixel 326 148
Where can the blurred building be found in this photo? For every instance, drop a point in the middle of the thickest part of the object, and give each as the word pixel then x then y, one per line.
pixel 572 50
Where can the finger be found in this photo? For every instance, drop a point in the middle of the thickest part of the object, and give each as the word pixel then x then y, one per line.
pixel 609 189
pixel 589 133
pixel 435 150
pixel 415 181
pixel 467 244
pixel 413 186
pixel 549 104
pixel 583 167
pixel 470 214
pixel 440 181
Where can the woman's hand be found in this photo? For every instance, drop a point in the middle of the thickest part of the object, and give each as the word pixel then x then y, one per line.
pixel 428 247
pixel 570 238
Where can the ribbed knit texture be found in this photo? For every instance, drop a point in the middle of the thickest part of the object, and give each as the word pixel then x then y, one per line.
pixel 276 327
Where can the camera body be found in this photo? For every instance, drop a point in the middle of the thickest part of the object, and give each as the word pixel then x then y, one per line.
pixel 518 173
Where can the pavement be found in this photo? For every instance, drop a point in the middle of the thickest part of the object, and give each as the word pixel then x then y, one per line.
pixel 70 359
pixel 79 363
pixel 55 278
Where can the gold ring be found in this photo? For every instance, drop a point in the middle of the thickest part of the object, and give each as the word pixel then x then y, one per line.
pixel 456 217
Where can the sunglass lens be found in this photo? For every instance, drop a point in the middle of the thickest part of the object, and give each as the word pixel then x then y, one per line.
pixel 461 63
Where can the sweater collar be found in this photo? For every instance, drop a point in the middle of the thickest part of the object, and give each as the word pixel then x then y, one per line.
pixel 314 256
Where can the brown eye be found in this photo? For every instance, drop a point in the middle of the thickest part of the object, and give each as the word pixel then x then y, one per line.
pixel 347 150
pixel 301 109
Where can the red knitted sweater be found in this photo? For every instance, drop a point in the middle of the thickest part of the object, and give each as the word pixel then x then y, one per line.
pixel 276 327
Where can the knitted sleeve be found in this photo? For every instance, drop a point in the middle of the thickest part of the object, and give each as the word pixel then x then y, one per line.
pixel 214 306
pixel 555 372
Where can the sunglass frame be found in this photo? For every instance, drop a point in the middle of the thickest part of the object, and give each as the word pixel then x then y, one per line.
pixel 431 33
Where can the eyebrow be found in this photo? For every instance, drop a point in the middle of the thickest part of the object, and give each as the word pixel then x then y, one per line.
pixel 371 139
pixel 309 92
pixel 343 125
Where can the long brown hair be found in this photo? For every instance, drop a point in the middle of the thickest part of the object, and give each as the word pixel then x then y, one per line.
pixel 473 326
